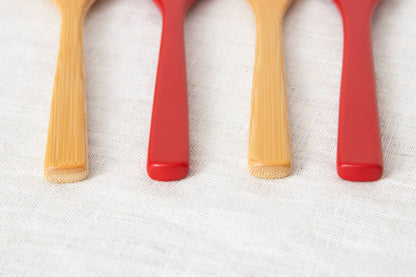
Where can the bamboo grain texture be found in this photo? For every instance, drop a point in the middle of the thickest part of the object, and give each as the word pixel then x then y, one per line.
pixel 269 139
pixel 66 157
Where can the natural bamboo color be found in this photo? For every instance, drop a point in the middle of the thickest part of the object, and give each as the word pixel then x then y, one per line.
pixel 66 158
pixel 269 141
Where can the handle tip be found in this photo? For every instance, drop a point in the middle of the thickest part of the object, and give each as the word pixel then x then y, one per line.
pixel 269 171
pixel 167 171
pixel 359 172
pixel 66 175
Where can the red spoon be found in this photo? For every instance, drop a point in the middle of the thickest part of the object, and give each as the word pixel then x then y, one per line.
pixel 168 156
pixel 360 155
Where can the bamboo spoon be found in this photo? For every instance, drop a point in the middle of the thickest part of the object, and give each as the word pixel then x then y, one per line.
pixel 66 158
pixel 359 156
pixel 269 141
pixel 168 156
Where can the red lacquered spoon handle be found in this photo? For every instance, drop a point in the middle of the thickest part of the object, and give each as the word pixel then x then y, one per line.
pixel 168 157
pixel 359 144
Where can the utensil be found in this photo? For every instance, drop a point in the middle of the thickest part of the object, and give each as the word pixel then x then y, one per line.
pixel 269 141
pixel 359 156
pixel 168 156
pixel 66 158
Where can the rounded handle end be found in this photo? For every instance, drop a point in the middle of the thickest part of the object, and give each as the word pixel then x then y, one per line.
pixel 167 171
pixel 269 171
pixel 66 175
pixel 359 172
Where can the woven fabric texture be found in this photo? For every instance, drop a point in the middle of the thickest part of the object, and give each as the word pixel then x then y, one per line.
pixel 219 221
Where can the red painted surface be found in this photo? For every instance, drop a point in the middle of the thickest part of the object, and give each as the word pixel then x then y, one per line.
pixel 359 156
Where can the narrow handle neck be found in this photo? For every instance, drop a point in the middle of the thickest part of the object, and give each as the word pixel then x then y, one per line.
pixel 357 37
pixel 269 47
pixel 173 32
pixel 71 42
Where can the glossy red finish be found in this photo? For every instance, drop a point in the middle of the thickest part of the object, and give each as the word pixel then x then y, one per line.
pixel 359 156
pixel 168 156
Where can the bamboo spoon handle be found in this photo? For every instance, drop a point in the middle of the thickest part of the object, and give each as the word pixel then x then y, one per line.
pixel 66 158
pixel 359 143
pixel 168 156
pixel 269 142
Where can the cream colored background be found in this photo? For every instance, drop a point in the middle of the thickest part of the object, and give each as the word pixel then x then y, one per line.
pixel 219 221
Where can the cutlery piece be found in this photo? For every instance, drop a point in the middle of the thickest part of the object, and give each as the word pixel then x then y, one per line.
pixel 168 156
pixel 269 141
pixel 66 158
pixel 359 156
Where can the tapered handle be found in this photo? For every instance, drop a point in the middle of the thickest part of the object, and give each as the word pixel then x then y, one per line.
pixel 66 158
pixel 269 141
pixel 359 145
pixel 168 156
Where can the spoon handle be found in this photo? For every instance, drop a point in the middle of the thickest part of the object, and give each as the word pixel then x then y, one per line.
pixel 168 156
pixel 269 141
pixel 66 158
pixel 359 156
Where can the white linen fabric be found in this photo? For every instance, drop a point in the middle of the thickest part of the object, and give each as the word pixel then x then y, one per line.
pixel 219 221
